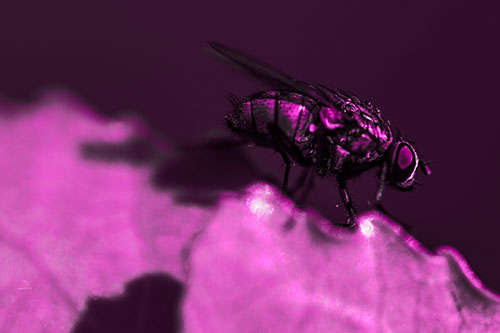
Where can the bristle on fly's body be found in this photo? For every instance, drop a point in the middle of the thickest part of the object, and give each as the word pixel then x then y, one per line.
pixel 235 102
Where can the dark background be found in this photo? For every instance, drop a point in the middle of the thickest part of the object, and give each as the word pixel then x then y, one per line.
pixel 431 66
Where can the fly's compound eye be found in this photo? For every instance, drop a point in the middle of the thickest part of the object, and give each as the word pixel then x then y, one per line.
pixel 404 164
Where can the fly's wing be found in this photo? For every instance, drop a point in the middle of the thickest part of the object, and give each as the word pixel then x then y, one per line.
pixel 270 75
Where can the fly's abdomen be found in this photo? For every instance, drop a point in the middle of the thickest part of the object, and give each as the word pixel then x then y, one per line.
pixel 290 113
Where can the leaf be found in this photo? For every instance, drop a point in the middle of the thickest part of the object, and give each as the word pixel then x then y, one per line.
pixel 252 272
pixel 72 227
pixel 82 227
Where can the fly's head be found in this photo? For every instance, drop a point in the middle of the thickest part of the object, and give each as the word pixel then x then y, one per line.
pixel 403 162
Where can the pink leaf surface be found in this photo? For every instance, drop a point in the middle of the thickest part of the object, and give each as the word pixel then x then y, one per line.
pixel 261 266
pixel 70 227
pixel 73 227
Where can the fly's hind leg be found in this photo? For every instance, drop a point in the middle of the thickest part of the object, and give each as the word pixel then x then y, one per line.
pixel 288 151
pixel 346 198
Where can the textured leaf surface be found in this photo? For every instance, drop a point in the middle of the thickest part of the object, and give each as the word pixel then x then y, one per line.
pixel 260 266
pixel 72 227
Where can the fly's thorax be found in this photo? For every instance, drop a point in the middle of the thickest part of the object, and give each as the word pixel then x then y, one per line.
pixel 344 149
pixel 349 112
pixel 370 120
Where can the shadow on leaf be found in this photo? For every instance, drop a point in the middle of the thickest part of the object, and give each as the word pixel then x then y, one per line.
pixel 196 176
pixel 149 304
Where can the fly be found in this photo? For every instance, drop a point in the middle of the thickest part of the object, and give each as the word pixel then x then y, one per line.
pixel 331 130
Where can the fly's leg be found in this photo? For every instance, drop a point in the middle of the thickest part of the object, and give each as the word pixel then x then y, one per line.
pixel 381 182
pixel 380 189
pixel 346 198
pixel 288 151
pixel 288 164
pixel 280 148
pixel 378 197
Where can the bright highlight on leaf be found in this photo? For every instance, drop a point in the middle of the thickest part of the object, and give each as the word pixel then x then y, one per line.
pixel 258 201
pixel 366 227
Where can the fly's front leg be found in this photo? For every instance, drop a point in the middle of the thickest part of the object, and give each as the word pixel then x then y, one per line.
pixel 346 198
pixel 381 182
pixel 378 197
pixel 380 189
